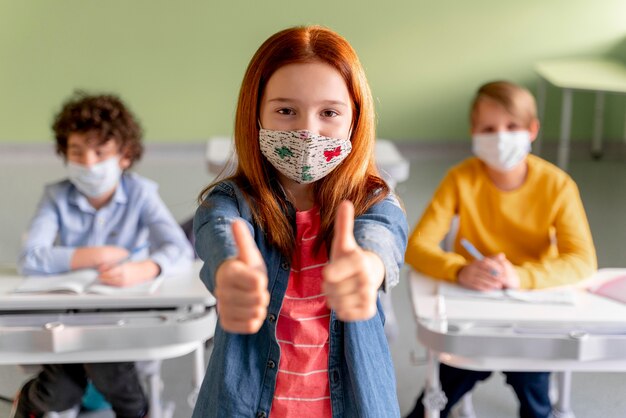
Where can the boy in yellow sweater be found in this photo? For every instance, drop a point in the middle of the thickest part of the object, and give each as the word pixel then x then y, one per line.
pixel 523 213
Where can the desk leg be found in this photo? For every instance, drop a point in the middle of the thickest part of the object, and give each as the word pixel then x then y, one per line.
pixel 434 398
pixel 156 406
pixel 198 375
pixel 566 121
pixel 596 144
pixel 562 409
pixel 542 86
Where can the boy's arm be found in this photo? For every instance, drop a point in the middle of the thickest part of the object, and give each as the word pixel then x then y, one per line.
pixel 424 252
pixel 39 255
pixel 577 256
pixel 170 249
pixel 90 257
pixel 383 230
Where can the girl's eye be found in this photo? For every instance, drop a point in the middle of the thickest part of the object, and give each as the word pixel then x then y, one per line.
pixel 488 129
pixel 286 111
pixel 329 113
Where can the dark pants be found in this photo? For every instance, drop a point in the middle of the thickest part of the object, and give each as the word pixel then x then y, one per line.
pixel 531 389
pixel 61 386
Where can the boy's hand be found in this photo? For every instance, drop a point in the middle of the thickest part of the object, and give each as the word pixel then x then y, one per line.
pixel 241 286
pixel 129 273
pixel 509 277
pixel 482 274
pixel 97 257
pixel 352 276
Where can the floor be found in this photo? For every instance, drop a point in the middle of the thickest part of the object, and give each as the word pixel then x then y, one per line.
pixel 181 173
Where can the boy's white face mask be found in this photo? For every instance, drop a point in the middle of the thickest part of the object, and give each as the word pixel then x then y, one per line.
pixel 96 180
pixel 303 156
pixel 501 150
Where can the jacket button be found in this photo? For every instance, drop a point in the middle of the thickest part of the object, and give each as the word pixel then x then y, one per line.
pixel 261 415
pixel 284 265
pixel 271 318
pixel 271 364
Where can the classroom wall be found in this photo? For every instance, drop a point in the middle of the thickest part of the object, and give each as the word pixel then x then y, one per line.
pixel 179 63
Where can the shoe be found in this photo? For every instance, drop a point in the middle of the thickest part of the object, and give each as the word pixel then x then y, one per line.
pixel 19 408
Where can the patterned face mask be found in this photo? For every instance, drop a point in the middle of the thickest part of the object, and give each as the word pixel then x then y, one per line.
pixel 303 156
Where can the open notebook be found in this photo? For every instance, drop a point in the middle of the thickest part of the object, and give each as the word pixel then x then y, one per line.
pixel 561 295
pixel 82 282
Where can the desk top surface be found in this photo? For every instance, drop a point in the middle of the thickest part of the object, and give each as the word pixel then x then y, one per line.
pixel 584 74
pixel 178 290
pixel 589 308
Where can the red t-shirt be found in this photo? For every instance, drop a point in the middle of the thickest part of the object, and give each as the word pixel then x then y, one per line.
pixel 302 330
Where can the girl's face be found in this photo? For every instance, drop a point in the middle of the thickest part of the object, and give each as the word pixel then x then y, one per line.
pixel 491 117
pixel 308 96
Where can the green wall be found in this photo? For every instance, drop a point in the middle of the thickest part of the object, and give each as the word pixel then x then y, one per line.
pixel 179 63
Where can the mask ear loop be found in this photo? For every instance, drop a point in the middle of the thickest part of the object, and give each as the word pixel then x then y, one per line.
pixel 350 132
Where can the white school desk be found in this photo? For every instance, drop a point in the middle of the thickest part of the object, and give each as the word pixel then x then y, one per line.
pixel 485 334
pixel 594 75
pixel 58 328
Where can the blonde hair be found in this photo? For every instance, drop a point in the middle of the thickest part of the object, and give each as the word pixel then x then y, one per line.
pixel 515 99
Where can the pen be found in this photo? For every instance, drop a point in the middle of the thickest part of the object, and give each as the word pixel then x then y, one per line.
pixel 133 252
pixel 475 253
pixel 471 249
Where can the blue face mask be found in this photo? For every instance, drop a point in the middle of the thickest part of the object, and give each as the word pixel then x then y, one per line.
pixel 96 180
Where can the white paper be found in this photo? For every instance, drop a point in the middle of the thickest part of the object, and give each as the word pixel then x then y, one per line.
pixel 73 282
pixel 82 281
pixel 548 296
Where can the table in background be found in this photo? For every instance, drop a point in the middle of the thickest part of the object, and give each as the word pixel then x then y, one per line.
pixel 594 75
pixel 482 334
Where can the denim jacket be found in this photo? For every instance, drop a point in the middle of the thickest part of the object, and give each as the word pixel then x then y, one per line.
pixel 242 371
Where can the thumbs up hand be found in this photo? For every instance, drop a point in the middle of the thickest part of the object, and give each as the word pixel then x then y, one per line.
pixel 241 286
pixel 352 276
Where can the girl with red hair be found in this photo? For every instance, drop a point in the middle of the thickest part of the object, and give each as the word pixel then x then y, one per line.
pixel 298 242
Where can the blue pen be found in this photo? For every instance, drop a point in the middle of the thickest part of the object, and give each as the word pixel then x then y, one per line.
pixel 471 249
pixel 133 252
pixel 475 253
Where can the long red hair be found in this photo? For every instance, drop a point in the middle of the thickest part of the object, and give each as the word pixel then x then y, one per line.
pixel 355 179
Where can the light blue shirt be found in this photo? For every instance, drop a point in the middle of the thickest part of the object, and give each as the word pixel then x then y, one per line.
pixel 136 215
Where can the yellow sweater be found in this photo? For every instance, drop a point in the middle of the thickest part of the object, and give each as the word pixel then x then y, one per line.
pixel 541 227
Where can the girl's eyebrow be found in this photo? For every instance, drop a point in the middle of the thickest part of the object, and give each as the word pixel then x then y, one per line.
pixel 321 102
